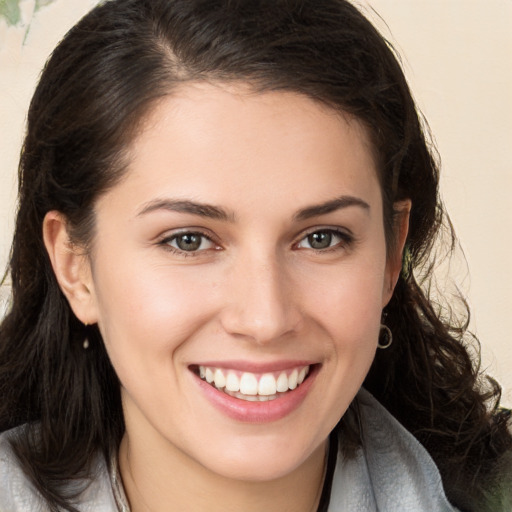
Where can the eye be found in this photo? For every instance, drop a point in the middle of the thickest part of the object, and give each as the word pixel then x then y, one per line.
pixel 189 242
pixel 324 239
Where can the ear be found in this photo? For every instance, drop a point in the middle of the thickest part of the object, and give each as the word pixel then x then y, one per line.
pixel 71 267
pixel 402 211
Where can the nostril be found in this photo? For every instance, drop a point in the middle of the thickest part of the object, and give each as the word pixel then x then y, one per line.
pixel 262 327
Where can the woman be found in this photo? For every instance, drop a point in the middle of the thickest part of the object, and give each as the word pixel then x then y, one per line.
pixel 225 210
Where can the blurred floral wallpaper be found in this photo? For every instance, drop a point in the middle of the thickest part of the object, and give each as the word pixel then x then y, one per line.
pixel 29 30
pixel 11 11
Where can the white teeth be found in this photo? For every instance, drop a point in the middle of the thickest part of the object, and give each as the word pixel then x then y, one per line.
pixel 251 398
pixel 218 377
pixel 232 382
pixel 292 379
pixel 267 385
pixel 282 383
pixel 249 386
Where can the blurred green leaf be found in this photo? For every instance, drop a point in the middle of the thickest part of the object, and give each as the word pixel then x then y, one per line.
pixel 10 10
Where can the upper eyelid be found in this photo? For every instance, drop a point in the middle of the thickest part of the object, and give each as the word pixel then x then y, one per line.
pixel 334 229
pixel 165 242
pixel 170 235
pixel 346 235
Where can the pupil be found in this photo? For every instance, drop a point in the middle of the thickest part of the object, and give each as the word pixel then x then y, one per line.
pixel 320 240
pixel 189 242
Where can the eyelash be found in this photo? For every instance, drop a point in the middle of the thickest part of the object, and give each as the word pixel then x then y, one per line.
pixel 345 241
pixel 166 243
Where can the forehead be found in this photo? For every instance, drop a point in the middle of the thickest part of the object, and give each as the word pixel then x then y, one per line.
pixel 209 140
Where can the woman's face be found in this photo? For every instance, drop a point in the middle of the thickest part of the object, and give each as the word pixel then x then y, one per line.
pixel 245 245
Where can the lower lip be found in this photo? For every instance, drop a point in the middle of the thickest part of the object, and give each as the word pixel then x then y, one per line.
pixel 258 412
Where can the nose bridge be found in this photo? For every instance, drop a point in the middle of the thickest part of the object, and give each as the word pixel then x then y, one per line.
pixel 261 303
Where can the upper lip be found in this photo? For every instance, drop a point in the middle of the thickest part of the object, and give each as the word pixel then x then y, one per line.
pixel 255 367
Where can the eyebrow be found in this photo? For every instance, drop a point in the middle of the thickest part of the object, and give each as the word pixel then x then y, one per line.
pixel 186 206
pixel 218 213
pixel 330 206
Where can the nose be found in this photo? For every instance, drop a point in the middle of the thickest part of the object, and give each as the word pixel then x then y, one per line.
pixel 261 302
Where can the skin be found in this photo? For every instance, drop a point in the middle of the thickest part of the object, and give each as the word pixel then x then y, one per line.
pixel 254 291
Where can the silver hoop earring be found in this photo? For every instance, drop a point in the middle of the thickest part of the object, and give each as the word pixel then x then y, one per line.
pixel 387 337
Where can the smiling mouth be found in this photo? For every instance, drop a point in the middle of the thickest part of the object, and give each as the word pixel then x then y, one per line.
pixel 253 387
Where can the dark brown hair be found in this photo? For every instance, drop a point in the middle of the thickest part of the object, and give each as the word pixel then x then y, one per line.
pixel 97 87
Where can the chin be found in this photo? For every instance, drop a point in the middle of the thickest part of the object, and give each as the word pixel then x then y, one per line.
pixel 262 460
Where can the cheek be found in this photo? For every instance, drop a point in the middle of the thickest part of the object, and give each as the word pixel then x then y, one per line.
pixel 150 309
pixel 348 299
pixel 348 309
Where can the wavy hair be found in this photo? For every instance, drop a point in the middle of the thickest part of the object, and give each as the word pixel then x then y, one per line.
pixel 100 83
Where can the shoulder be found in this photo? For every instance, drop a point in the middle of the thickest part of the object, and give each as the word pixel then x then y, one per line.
pixel 395 472
pixel 391 471
pixel 497 494
pixel 17 494
pixel 16 491
pixel 484 482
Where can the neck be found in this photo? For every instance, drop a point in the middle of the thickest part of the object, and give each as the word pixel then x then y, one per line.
pixel 155 484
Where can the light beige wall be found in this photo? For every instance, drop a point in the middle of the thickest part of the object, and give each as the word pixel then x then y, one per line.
pixel 458 59
pixel 457 55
